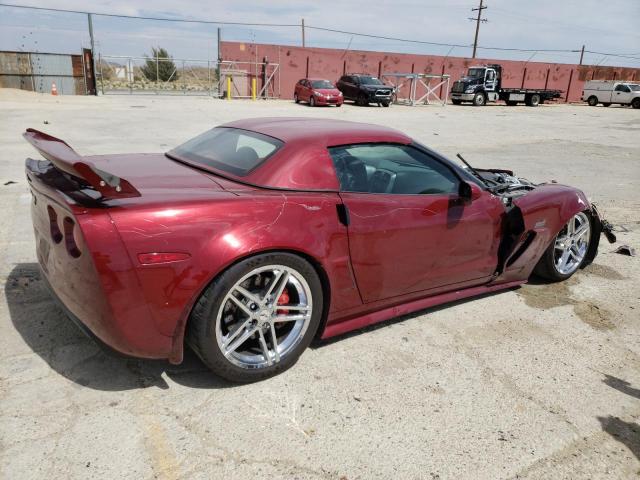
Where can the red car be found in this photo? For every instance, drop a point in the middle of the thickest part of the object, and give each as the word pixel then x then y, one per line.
pixel 316 91
pixel 255 237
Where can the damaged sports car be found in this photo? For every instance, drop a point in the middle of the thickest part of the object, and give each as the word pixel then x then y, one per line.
pixel 254 238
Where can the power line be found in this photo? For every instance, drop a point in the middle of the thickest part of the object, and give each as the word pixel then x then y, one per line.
pixel 346 32
pixel 159 19
pixel 387 38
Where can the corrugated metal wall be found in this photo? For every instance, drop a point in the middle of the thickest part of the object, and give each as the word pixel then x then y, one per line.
pixel 38 71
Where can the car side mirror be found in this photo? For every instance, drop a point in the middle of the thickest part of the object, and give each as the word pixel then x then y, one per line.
pixel 469 191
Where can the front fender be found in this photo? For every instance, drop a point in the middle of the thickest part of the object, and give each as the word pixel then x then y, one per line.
pixel 544 212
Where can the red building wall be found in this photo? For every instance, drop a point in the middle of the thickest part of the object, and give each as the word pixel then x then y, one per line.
pixel 297 62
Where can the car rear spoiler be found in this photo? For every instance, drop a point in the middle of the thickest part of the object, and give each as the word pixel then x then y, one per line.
pixel 64 158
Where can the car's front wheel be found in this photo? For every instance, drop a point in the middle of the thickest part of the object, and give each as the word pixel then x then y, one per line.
pixel 257 317
pixel 568 251
pixel 479 99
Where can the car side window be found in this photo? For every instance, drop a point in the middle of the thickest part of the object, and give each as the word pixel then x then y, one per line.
pixel 622 88
pixel 391 169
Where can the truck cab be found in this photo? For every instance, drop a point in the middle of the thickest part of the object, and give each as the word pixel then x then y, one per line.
pixel 480 85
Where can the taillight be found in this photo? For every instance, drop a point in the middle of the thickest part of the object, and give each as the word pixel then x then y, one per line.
pixel 69 240
pixel 56 234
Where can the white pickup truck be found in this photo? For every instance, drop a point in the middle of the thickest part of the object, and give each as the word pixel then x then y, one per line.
pixel 607 92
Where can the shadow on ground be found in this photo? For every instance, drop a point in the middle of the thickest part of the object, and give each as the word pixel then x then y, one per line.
pixel 57 340
pixel 627 433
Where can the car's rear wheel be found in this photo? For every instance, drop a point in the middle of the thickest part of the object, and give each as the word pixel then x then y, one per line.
pixel 592 101
pixel 569 249
pixel 533 100
pixel 257 318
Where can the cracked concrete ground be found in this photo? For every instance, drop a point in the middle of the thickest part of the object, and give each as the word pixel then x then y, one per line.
pixel 535 383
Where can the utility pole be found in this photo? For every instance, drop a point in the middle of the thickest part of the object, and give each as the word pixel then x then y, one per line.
pixel 581 54
pixel 478 19
pixel 93 54
pixel 303 40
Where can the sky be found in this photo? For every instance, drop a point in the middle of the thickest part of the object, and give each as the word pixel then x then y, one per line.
pixel 606 27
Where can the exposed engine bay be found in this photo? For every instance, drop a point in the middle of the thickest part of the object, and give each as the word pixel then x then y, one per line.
pixel 505 184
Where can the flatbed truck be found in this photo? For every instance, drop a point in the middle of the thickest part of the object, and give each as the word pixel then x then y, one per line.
pixel 483 84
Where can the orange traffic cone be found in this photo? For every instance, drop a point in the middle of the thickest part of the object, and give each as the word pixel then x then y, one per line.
pixel 54 90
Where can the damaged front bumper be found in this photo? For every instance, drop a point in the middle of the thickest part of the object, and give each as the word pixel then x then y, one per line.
pixel 598 226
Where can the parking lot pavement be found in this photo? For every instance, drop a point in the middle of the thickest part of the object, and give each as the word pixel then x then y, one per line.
pixel 538 382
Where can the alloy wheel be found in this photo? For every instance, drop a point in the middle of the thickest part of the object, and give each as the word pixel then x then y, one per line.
pixel 264 316
pixel 571 244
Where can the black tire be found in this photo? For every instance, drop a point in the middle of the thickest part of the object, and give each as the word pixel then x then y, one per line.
pixel 312 101
pixel 362 100
pixel 511 103
pixel 456 102
pixel 385 104
pixel 533 100
pixel 295 98
pixel 479 100
pixel 606 104
pixel 201 330
pixel 338 104
pixel 546 267
pixel 592 101
pixel 635 103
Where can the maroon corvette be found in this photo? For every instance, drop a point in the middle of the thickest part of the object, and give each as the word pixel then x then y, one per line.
pixel 253 238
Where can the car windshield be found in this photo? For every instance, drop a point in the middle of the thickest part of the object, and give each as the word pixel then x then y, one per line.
pixel 476 73
pixel 634 87
pixel 365 80
pixel 230 150
pixel 322 84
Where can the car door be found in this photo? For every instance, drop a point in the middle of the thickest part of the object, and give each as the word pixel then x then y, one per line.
pixel 409 230
pixel 349 87
pixel 621 94
pixel 308 90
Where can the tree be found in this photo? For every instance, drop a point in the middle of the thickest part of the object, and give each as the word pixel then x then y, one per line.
pixel 159 66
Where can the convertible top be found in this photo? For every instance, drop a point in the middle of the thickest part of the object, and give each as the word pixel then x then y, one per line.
pixel 323 132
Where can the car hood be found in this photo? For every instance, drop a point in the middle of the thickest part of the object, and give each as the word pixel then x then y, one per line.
pixel 471 80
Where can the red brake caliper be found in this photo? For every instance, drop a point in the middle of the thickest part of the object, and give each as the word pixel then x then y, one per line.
pixel 283 300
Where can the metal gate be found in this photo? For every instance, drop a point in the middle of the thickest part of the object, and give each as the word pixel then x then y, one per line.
pixel 177 76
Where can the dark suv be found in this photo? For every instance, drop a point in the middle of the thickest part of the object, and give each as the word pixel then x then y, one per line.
pixel 365 89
